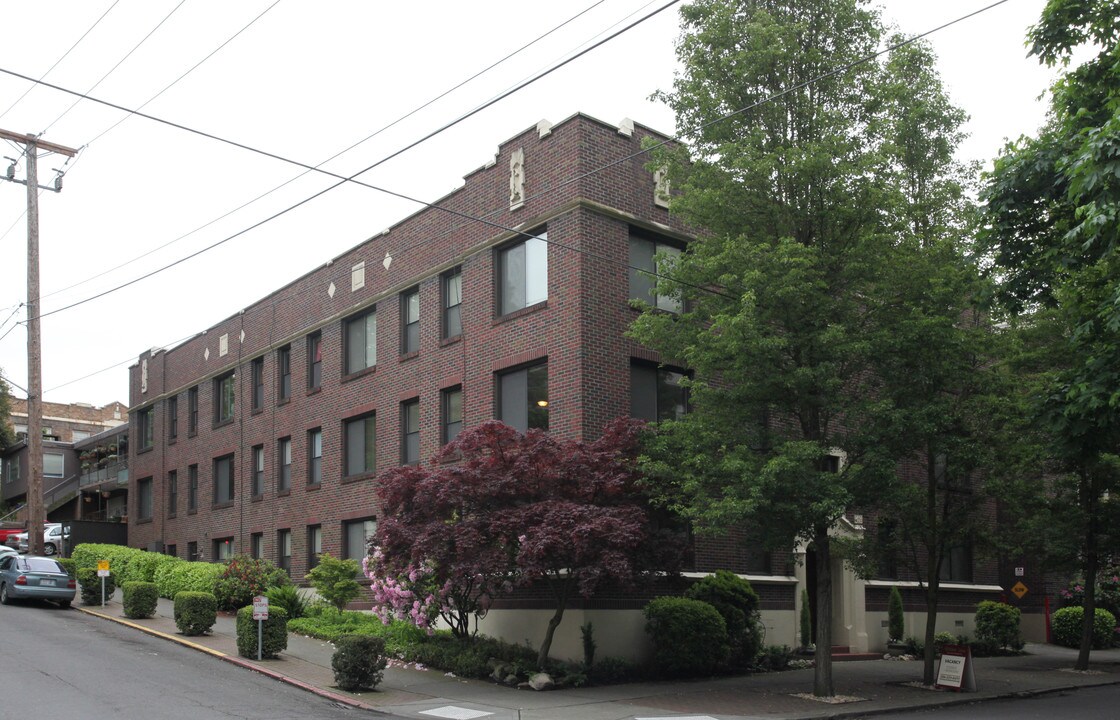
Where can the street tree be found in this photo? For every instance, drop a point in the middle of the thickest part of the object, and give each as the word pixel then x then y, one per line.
pixel 7 432
pixel 502 509
pixel 1052 212
pixel 794 155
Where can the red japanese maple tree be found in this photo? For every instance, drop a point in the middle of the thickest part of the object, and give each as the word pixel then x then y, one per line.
pixel 498 509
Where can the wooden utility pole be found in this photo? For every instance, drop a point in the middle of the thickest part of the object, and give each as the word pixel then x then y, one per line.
pixel 36 511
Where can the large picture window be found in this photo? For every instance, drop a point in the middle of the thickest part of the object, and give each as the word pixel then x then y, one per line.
pixel 523 398
pixel 656 393
pixel 361 342
pixel 355 537
pixel 523 274
pixel 644 264
pixel 361 439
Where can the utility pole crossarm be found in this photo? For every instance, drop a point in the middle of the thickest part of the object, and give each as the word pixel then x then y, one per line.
pixel 34 140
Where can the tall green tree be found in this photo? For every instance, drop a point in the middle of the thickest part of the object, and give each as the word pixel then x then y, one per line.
pixel 796 156
pixel 7 432
pixel 1053 231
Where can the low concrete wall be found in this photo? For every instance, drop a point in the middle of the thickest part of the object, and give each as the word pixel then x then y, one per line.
pixel 950 622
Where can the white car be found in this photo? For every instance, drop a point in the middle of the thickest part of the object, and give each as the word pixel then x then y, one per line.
pixel 53 539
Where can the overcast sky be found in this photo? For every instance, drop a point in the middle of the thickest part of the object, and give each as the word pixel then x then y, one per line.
pixel 305 81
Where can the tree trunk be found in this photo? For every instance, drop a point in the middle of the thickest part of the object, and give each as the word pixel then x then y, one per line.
pixel 929 655
pixel 822 677
pixel 1090 604
pixel 560 589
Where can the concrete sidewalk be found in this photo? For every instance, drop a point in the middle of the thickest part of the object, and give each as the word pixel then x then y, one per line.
pixel 879 685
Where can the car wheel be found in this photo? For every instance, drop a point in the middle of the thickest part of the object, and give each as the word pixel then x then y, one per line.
pixel 4 599
pixel 48 549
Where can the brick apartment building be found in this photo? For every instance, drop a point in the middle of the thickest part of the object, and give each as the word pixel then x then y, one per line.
pixel 264 433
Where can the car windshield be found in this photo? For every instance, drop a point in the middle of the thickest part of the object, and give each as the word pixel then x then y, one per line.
pixel 42 565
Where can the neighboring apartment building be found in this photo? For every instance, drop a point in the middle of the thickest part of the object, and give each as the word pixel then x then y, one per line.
pixel 69 423
pixel 264 433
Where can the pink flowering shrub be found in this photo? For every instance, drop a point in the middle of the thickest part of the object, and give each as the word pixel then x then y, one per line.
pixel 1107 592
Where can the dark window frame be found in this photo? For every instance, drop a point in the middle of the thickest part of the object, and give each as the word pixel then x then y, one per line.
pixel 192 411
pixel 534 410
pixel 410 325
pixel 663 405
pixel 225 398
pixel 192 489
pixel 410 439
pixel 350 361
pixel 347 551
pixel 315 457
pixel 314 361
pixel 172 418
pixel 144 498
pixel 284 538
pixel 145 428
pixel 451 303
pixel 257 458
pixel 445 422
pixel 172 493
pixel 346 442
pixel 257 375
pixel 220 498
pixel 314 533
pixel 283 374
pixel 284 465
pixel 515 294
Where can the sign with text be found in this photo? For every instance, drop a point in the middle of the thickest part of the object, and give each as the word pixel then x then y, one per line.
pixel 260 607
pixel 955 671
pixel 102 568
pixel 1020 590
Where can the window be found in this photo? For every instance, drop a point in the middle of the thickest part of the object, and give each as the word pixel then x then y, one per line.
pixel 223 480
pixel 54 466
pixel 314 361
pixel 223 549
pixel 410 432
pixel 284 465
pixel 144 499
pixel 256 546
pixel 172 493
pixel 12 465
pixel 171 549
pixel 144 428
pixel 223 398
pixel 79 435
pixel 452 414
pixel 284 373
pixel 192 488
pixel 315 457
pixel 284 550
pixel 192 551
pixel 361 436
pixel 656 393
pixel 314 545
pixel 258 471
pixel 452 284
pixel 355 537
pixel 643 263
pixel 192 410
pixel 361 342
pixel 258 383
pixel 523 274
pixel 523 398
pixel 410 321
pixel 172 418
pixel 956 566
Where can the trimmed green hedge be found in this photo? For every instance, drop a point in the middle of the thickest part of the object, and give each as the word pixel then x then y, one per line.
pixel 1066 626
pixel 274 634
pixel 195 612
pixel 120 559
pixel 139 599
pixel 997 625
pixel 173 578
pixel 358 662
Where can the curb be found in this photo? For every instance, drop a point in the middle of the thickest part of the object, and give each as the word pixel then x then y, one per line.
pixel 326 694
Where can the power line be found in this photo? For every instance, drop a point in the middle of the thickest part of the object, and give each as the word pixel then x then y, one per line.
pixel 114 68
pixel 338 154
pixel 64 55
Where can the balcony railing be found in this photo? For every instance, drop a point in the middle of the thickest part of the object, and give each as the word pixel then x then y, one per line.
pixel 114 471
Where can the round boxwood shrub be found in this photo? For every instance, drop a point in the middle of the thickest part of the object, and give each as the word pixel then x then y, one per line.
pixel 196 612
pixel 689 636
pixel 139 599
pixel 90 585
pixel 997 625
pixel 274 637
pixel 736 601
pixel 1066 626
pixel 358 662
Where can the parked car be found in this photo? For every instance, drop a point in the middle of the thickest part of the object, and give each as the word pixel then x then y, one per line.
pixel 5 550
pixel 8 536
pixel 28 577
pixel 53 539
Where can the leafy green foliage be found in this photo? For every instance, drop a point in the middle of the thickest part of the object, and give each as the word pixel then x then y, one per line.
pixel 274 633
pixel 330 626
pixel 737 603
pixel 245 577
pixel 896 619
pixel 774 658
pixel 358 662
pixel 335 580
pixel 120 558
pixel 997 624
pixel 195 612
pixel 139 599
pixel 1067 622
pixel 689 637
pixel 69 564
pixel 289 598
pixel 89 585
pixel 175 577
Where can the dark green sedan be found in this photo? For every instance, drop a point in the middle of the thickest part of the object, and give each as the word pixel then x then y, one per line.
pixel 42 578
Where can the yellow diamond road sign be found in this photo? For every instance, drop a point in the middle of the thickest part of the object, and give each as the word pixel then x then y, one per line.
pixel 1019 589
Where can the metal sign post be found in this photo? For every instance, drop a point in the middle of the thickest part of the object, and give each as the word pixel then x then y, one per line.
pixel 102 572
pixel 260 614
